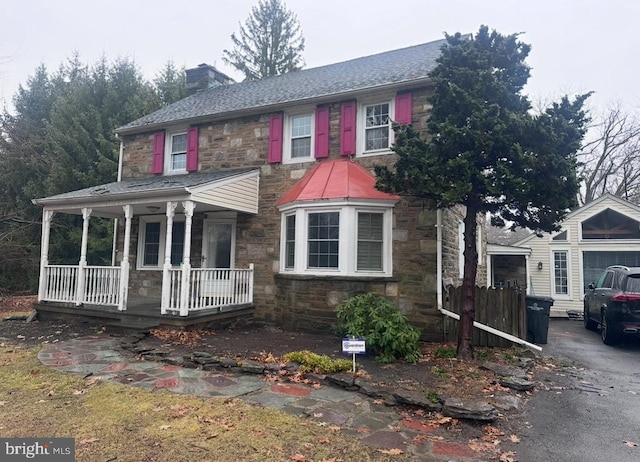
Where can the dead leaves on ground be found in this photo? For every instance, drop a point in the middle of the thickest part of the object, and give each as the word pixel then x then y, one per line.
pixel 179 337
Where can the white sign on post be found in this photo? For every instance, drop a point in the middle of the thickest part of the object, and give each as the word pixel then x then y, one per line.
pixel 354 346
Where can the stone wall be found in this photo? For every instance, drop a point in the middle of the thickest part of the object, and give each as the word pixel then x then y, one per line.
pixel 304 302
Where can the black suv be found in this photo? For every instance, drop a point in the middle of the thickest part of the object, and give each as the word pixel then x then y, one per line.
pixel 613 303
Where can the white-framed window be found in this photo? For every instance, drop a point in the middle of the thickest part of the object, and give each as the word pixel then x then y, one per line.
pixel 289 241
pixel 299 130
pixel 343 238
pixel 560 236
pixel 560 272
pixel 151 242
pixel 375 132
pixel 175 157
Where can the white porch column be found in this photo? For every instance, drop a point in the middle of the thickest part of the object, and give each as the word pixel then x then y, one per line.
pixel 86 215
pixel 186 257
pixel 124 264
pixel 47 216
pixel 166 276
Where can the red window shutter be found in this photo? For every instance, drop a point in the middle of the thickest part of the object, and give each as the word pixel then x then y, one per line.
pixel 403 108
pixel 348 128
pixel 275 138
pixel 322 132
pixel 157 163
pixel 192 149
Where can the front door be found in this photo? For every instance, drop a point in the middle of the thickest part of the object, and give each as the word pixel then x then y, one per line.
pixel 219 244
pixel 219 253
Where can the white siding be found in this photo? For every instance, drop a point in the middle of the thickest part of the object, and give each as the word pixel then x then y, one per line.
pixel 240 195
pixel 541 281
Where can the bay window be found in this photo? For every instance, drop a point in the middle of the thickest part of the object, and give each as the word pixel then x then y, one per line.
pixel 345 239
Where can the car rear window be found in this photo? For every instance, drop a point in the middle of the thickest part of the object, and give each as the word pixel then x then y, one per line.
pixel 633 283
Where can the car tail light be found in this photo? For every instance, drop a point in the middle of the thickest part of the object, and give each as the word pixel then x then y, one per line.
pixel 626 298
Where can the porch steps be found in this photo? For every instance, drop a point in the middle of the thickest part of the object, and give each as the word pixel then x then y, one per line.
pixel 132 324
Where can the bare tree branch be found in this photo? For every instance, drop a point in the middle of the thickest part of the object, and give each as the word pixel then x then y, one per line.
pixel 610 159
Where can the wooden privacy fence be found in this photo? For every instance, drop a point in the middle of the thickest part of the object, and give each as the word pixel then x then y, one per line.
pixel 501 308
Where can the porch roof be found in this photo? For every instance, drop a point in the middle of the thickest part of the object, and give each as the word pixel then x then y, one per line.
pixel 221 190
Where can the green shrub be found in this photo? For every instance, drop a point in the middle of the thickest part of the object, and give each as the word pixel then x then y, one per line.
pixel 382 325
pixel 433 397
pixel 445 352
pixel 320 364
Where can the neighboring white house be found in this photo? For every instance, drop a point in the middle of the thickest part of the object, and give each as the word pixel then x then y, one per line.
pixel 561 265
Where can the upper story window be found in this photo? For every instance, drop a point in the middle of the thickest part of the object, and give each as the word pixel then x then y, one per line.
pixel 377 127
pixel 375 132
pixel 561 236
pixel 370 131
pixel 298 143
pixel 176 152
pixel 301 135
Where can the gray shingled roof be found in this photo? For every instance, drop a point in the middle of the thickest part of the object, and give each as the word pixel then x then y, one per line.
pixel 136 187
pixel 390 68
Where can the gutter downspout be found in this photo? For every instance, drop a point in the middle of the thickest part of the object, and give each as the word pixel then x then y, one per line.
pixel 457 316
pixel 439 257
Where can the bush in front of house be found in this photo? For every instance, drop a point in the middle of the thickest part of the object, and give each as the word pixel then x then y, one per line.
pixel 382 325
pixel 320 364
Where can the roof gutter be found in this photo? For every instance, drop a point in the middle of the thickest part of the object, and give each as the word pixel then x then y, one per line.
pixel 111 197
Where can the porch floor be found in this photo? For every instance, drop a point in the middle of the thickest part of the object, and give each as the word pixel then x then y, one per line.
pixel 143 314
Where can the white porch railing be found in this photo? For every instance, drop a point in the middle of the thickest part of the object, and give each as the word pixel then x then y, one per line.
pixel 211 288
pixel 101 285
pixel 208 288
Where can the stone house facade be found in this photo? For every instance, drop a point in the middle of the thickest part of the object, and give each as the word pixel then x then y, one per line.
pixel 287 187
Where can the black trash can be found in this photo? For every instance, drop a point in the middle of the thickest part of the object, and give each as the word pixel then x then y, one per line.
pixel 538 309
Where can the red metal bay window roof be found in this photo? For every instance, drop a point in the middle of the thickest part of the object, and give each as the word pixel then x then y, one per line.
pixel 336 179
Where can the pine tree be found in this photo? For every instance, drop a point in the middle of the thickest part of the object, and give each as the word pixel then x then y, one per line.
pixel 270 43
pixel 62 138
pixel 486 151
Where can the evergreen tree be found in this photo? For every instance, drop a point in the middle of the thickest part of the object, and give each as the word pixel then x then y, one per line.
pixel 487 151
pixel 270 43
pixel 62 138
pixel 170 84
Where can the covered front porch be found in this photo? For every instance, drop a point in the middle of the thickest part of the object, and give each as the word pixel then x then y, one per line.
pixel 212 284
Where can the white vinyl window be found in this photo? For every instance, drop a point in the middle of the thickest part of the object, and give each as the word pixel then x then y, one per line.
pixel 343 239
pixel 560 272
pixel 377 127
pixel 151 242
pixel 298 141
pixel 176 152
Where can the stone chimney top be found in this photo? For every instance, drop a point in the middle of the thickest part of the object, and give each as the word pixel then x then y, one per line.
pixel 205 76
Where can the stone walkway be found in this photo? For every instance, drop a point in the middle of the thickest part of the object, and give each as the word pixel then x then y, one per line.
pixel 370 420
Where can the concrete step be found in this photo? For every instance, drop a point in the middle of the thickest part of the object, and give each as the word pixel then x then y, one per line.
pixel 132 324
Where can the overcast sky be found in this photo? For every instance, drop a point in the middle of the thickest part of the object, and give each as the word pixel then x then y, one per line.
pixel 578 45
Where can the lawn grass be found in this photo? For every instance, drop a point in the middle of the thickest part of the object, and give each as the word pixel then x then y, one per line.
pixel 112 422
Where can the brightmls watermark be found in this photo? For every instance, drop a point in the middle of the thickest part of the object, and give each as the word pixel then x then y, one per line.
pixel 38 449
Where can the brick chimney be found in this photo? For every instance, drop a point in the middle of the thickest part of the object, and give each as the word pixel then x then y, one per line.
pixel 205 76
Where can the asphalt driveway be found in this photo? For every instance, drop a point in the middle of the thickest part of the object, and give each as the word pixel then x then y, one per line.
pixel 589 412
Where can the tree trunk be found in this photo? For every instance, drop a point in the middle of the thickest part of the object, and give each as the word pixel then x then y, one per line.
pixel 468 312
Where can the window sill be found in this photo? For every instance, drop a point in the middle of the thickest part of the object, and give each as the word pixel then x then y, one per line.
pixel 334 277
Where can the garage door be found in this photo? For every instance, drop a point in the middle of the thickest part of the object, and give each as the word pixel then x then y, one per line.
pixel 596 262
